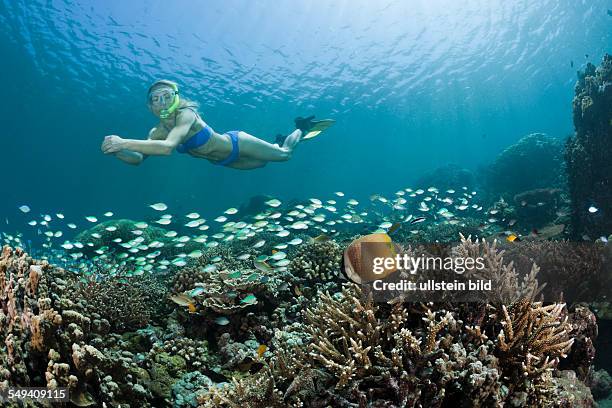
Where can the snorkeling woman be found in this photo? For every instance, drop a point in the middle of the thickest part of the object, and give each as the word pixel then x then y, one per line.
pixel 181 127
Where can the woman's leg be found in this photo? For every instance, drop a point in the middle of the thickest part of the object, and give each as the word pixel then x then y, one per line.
pixel 292 140
pixel 254 148
pixel 247 164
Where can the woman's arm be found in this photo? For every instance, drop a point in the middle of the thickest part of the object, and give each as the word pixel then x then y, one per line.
pixel 130 157
pixel 114 144
pixel 136 158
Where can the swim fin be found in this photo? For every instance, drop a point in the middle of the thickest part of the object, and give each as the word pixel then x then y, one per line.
pixel 310 127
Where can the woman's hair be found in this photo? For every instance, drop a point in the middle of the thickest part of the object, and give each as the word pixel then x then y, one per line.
pixel 183 102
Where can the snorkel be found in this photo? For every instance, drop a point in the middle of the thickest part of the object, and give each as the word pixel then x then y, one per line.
pixel 175 103
pixel 164 113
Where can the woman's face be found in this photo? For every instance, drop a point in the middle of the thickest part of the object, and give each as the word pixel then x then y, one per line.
pixel 160 98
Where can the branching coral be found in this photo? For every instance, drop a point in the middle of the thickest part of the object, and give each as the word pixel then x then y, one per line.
pixel 343 350
pixel 533 339
pixel 366 352
pixel 507 284
pixel 125 303
pixel 363 354
pixel 255 392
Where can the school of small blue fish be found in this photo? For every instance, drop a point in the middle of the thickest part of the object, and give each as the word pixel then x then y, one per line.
pixel 312 217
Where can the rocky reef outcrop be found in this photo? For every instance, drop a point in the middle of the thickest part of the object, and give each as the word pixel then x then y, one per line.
pixel 534 162
pixel 588 152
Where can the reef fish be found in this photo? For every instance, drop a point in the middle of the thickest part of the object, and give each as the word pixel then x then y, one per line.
pixel 417 220
pixel 159 206
pixel 250 299
pixel 182 300
pixel 222 321
pixel 261 350
pixel 264 267
pixel 512 238
pixel 273 203
pixel 359 258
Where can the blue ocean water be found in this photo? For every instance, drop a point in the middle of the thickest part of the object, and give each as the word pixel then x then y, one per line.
pixel 412 85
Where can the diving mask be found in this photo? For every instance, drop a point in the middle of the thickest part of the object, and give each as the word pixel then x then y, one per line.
pixel 165 99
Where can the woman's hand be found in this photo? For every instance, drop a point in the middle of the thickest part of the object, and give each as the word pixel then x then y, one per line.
pixel 112 144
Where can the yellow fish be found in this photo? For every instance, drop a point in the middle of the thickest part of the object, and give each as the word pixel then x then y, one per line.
pixel 511 238
pixel 261 350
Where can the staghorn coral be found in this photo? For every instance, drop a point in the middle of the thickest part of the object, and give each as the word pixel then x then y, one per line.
pixel 507 285
pixel 255 392
pixel 533 339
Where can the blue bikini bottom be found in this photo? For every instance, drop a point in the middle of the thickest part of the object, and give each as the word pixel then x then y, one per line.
pixel 204 136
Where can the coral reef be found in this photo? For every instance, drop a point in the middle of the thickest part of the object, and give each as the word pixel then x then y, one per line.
pixel 51 342
pixel 332 347
pixel 572 271
pixel 588 151
pixel 127 305
pixel 601 384
pixel 539 206
pixel 360 352
pixel 535 161
pixel 584 332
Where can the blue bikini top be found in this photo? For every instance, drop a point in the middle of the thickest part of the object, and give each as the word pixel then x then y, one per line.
pixel 196 140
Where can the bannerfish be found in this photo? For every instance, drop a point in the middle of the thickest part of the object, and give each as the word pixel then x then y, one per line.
pixel 358 258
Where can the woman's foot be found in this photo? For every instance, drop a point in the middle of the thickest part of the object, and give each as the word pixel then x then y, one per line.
pixel 280 140
pixel 304 124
